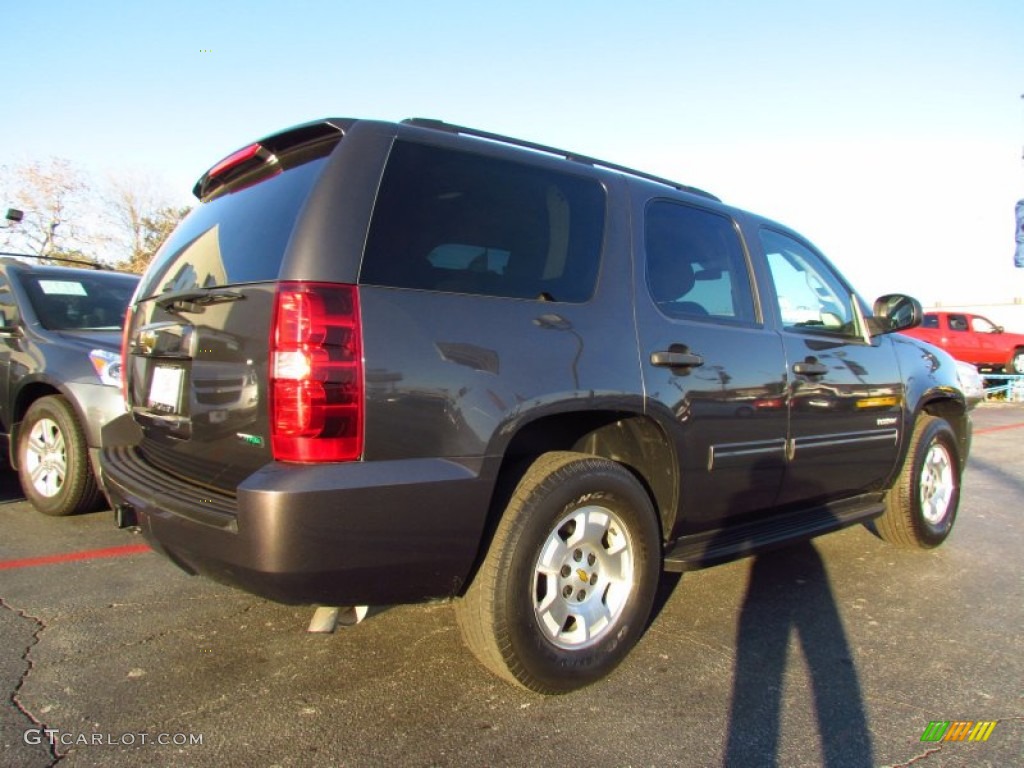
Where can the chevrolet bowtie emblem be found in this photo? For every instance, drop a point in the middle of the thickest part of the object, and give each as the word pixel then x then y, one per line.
pixel 146 341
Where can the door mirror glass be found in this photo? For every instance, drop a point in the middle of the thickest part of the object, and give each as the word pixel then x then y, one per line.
pixel 897 312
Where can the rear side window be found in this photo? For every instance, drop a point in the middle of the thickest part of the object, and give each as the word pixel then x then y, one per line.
pixel 695 264
pixel 930 321
pixel 236 238
pixel 958 323
pixel 464 223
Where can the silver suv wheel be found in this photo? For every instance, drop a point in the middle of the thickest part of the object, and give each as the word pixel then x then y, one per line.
pixel 583 577
pixel 938 483
pixel 46 458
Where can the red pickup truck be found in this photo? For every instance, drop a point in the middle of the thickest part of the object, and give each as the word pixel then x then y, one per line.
pixel 973 339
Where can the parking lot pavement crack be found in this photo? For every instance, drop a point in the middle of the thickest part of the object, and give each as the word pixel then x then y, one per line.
pixel 916 759
pixel 919 759
pixel 29 666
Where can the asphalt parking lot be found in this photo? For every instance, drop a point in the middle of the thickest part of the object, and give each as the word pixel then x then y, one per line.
pixel 837 653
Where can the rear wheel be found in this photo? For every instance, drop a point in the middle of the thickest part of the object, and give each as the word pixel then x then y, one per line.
pixel 921 507
pixel 567 585
pixel 53 459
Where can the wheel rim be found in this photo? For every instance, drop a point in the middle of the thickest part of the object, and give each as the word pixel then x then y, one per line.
pixel 583 578
pixel 1018 363
pixel 938 483
pixel 46 458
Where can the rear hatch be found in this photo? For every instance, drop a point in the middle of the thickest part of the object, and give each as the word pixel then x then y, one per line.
pixel 197 344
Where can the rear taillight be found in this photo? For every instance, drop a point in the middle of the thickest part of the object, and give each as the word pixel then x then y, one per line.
pixel 125 360
pixel 316 373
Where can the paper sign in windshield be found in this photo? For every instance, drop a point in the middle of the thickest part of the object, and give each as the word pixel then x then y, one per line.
pixel 62 288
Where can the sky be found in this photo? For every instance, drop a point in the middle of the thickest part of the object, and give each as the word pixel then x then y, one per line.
pixel 888 133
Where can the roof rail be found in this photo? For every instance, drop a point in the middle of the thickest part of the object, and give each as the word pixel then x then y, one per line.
pixel 440 125
pixel 80 262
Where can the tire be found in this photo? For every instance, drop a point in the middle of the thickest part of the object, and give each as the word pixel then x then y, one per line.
pixel 569 580
pixel 53 459
pixel 921 507
pixel 1016 365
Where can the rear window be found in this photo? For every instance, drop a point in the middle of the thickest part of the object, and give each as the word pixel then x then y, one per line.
pixel 237 238
pixel 465 223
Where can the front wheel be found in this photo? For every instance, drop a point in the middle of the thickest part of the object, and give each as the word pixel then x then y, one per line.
pixel 921 507
pixel 53 459
pixel 1017 362
pixel 568 582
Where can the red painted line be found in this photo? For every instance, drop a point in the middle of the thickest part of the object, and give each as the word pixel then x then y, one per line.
pixel 68 557
pixel 998 429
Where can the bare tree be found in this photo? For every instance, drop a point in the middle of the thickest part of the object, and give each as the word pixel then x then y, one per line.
pixel 54 197
pixel 143 219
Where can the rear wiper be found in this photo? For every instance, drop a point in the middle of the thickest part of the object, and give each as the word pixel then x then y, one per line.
pixel 195 301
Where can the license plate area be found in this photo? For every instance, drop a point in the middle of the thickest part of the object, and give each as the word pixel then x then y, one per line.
pixel 166 387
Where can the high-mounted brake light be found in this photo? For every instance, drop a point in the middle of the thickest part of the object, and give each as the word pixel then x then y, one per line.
pixel 316 373
pixel 238 165
pixel 234 159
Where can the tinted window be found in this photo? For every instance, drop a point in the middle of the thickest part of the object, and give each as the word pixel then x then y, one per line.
pixel 8 306
pixel 237 238
pixel 695 264
pixel 76 301
pixel 930 321
pixel 958 322
pixel 464 223
pixel 810 294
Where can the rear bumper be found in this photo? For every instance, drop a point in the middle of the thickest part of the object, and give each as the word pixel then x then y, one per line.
pixel 372 533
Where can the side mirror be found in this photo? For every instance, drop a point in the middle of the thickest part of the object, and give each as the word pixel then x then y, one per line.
pixel 896 312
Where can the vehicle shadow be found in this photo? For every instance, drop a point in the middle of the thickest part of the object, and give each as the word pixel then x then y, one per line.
pixel 10 488
pixel 789 593
pixel 997 473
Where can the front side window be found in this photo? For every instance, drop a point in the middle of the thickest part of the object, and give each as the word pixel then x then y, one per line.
pixel 696 267
pixel 8 306
pixel 464 223
pixel 983 325
pixel 811 297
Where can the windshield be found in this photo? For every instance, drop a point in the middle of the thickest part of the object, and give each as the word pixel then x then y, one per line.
pixel 79 302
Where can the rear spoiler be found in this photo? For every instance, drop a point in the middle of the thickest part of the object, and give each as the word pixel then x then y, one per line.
pixel 270 156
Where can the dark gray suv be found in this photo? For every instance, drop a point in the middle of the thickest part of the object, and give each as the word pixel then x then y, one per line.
pixel 60 376
pixel 386 363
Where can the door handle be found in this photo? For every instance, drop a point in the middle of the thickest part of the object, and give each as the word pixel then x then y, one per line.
pixel 810 369
pixel 676 360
